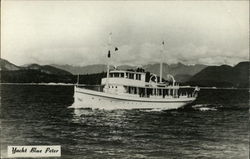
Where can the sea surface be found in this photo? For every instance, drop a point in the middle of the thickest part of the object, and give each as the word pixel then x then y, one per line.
pixel 215 126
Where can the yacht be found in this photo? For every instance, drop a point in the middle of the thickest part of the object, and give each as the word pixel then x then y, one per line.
pixel 127 89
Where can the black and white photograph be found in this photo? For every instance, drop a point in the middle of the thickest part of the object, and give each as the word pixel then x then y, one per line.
pixel 124 79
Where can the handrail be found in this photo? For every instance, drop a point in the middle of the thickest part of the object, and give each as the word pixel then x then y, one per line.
pixel 153 75
pixel 172 77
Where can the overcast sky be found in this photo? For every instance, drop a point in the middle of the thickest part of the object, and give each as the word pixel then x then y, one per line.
pixel 76 32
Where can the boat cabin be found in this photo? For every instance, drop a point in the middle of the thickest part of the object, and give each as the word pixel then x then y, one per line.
pixel 134 84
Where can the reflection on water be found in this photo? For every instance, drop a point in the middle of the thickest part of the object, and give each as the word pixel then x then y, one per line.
pixel 216 126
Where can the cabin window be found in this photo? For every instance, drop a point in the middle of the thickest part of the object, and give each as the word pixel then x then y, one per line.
pixel 126 75
pixel 138 76
pixel 131 76
pixel 160 92
pixel 111 75
pixel 122 75
pixel 116 74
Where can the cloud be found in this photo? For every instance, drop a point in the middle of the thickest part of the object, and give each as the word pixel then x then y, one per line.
pixel 76 32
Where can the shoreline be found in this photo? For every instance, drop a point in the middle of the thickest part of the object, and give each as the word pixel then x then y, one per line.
pixel 71 84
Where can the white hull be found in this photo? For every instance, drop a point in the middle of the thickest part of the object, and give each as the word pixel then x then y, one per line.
pixel 85 98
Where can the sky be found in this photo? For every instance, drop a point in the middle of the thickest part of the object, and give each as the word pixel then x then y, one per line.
pixel 77 32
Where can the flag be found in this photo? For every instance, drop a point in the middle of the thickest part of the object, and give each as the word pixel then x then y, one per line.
pixel 116 49
pixel 109 54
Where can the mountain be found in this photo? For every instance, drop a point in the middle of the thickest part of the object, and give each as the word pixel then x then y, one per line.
pixel 241 70
pixel 47 69
pixel 182 77
pixel 90 69
pixel 33 73
pixel 126 67
pixel 201 75
pixel 223 76
pixel 34 76
pixel 181 72
pixel 7 66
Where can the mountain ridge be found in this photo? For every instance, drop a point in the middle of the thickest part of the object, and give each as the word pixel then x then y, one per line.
pixel 181 71
pixel 8 66
pixel 195 75
pixel 223 76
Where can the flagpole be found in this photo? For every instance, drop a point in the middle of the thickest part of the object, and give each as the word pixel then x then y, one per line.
pixel 109 56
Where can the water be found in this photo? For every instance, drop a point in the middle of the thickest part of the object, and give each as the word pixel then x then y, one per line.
pixel 215 126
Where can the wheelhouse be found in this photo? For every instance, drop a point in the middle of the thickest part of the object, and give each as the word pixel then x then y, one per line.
pixel 128 75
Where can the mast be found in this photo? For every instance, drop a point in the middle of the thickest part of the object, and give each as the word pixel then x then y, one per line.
pixel 161 61
pixel 77 80
pixel 161 72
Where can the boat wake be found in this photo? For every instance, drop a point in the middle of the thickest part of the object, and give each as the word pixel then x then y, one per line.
pixel 207 107
pixel 152 110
